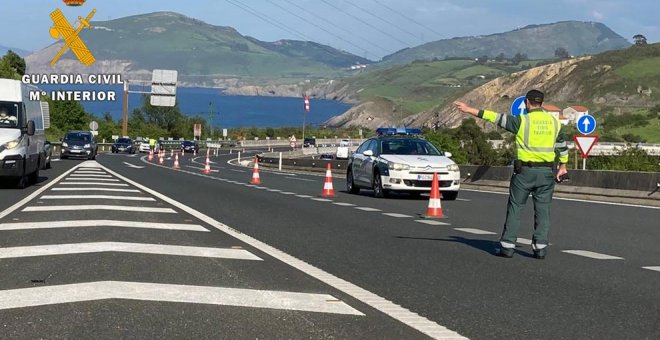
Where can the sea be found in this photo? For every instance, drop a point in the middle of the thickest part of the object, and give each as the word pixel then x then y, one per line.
pixel 225 111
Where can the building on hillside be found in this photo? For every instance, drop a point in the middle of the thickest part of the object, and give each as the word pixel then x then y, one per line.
pixel 573 113
pixel 556 112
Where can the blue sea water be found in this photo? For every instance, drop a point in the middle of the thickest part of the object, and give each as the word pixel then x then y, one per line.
pixel 229 111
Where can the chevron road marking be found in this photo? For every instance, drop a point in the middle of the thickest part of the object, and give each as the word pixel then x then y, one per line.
pixel 85 197
pixel 100 223
pixel 95 189
pixel 593 255
pixel 98 207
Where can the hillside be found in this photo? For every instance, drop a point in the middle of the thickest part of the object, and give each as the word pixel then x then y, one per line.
pixel 537 41
pixel 167 40
pixel 4 49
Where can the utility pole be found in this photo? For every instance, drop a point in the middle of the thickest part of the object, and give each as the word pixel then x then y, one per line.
pixel 124 128
pixel 211 119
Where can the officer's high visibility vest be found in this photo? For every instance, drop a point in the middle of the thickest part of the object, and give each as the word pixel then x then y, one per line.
pixel 152 142
pixel 536 136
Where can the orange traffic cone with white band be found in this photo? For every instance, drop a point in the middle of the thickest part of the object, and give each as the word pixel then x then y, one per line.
pixel 434 209
pixel 161 159
pixel 328 190
pixel 176 162
pixel 151 155
pixel 207 166
pixel 255 172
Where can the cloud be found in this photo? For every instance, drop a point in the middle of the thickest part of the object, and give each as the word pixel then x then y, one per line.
pixel 597 15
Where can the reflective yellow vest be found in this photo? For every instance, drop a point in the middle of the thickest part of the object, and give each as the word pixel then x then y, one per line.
pixel 536 136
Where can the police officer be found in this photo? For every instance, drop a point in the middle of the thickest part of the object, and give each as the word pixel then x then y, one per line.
pixel 539 141
pixel 152 144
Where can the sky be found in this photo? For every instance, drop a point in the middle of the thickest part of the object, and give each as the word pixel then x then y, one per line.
pixel 368 28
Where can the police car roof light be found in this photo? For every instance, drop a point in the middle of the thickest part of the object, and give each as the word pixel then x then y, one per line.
pixel 398 131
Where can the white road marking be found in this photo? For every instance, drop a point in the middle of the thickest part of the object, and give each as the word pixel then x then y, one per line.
pixel 432 222
pixel 657 268
pixel 109 197
pixel 524 241
pixel 592 255
pixel 342 204
pixel 195 167
pixel 303 196
pixel 274 190
pixel 396 215
pixel 299 179
pixel 287 193
pixel 95 189
pixel 94 172
pixel 475 231
pixel 397 312
pixel 234 170
pixel 463 199
pixel 574 200
pixel 101 223
pixel 99 207
pixel 133 165
pixel 95 183
pixel 121 247
pixel 89 175
pixel 92 179
pixel 103 290
pixel 367 209
pixel 321 199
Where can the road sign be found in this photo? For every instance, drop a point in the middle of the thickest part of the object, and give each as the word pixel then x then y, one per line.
pixel 586 124
pixel 93 125
pixel 224 132
pixel 518 106
pixel 197 130
pixel 163 87
pixel 585 143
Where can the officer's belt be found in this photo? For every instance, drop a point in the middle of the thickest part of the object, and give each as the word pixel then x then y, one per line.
pixel 537 164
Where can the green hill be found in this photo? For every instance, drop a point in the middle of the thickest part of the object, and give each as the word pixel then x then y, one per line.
pixel 169 40
pixel 537 41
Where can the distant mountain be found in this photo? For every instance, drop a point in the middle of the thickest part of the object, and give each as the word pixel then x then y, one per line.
pixel 537 41
pixel 21 52
pixel 167 40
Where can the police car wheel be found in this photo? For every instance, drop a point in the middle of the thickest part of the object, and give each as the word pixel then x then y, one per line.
pixel 378 187
pixel 350 184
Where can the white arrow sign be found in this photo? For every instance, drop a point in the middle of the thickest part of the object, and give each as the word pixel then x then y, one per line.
pixel 522 107
pixel 133 166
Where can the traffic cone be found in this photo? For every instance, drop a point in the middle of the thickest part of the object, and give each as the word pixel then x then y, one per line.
pixel 434 209
pixel 255 172
pixel 151 155
pixel 328 190
pixel 172 153
pixel 176 162
pixel 207 167
pixel 161 160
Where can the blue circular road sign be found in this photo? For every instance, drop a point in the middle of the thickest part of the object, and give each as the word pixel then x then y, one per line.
pixel 518 106
pixel 586 124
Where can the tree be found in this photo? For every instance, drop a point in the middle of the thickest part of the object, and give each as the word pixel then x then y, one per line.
pixel 639 40
pixel 519 57
pixel 478 150
pixel 12 66
pixel 562 53
pixel 68 115
pixel 500 58
pixel 482 60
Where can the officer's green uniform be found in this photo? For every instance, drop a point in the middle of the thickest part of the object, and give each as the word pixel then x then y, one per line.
pixel 539 141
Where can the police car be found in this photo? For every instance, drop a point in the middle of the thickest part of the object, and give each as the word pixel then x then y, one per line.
pixel 401 160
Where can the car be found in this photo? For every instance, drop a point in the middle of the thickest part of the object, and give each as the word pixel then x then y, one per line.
pixel 48 152
pixel 189 146
pixel 144 146
pixel 400 160
pixel 123 145
pixel 326 156
pixel 309 142
pixel 79 144
pixel 345 142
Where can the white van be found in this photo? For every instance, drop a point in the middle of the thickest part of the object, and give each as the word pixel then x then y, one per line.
pixel 22 138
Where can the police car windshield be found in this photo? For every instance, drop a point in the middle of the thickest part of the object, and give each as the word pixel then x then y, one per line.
pixel 9 115
pixel 408 147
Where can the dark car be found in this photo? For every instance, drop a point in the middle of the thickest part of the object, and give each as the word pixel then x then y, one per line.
pixel 189 146
pixel 79 144
pixel 123 145
pixel 309 142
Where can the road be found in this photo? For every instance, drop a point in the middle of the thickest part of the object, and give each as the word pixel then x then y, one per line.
pixel 188 255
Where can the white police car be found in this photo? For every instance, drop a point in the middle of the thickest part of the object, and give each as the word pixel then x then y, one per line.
pixel 400 160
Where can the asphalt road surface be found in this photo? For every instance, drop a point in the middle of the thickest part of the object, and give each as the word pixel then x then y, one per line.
pixel 126 248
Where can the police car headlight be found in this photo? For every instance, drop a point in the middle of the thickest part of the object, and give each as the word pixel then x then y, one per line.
pixel 453 167
pixel 398 166
pixel 12 144
pixel 65 145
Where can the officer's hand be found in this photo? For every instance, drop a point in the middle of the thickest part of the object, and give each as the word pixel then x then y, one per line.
pixel 561 171
pixel 465 108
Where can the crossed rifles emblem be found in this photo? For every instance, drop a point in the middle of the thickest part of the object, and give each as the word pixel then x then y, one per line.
pixel 62 28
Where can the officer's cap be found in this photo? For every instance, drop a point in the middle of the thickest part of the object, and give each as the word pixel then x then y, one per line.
pixel 535 96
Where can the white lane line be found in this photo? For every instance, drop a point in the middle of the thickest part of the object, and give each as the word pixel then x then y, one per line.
pixel 130 165
pixel 101 223
pixel 395 311
pixel 303 196
pixel 656 268
pixel 432 222
pixel 261 188
pixel 463 199
pixel 103 290
pixel 342 204
pixel 321 200
pixel 98 207
pixel 274 190
pixel 287 193
pixel 75 174
pixel 92 179
pixel 524 241
pixel 396 215
pixel 195 167
pixel 475 231
pixel 593 255
pixel 573 200
pixel 95 189
pixel 109 197
pixel 121 247
pixel 95 183
pixel 234 170
pixel 367 209
pixel 299 179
